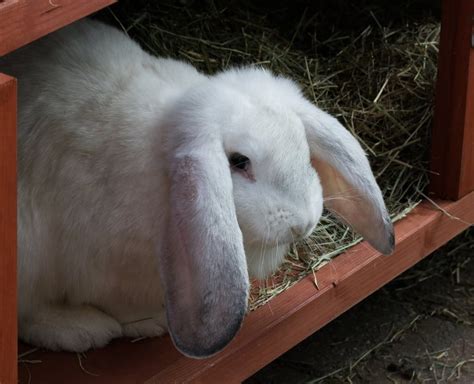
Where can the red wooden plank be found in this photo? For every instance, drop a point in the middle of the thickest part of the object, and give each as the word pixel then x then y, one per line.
pixel 8 331
pixel 22 21
pixel 452 155
pixel 467 168
pixel 274 328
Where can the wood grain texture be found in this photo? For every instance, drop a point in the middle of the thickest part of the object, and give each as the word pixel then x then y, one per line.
pixel 8 323
pixel 274 328
pixel 452 154
pixel 22 21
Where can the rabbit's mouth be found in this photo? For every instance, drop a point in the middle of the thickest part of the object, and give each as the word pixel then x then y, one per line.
pixel 294 234
pixel 278 237
pixel 276 240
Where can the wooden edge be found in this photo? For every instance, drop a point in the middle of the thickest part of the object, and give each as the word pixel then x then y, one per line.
pixel 22 21
pixel 467 168
pixel 452 152
pixel 8 322
pixel 277 326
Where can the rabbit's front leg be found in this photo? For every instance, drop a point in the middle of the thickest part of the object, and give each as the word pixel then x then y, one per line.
pixel 146 327
pixel 69 328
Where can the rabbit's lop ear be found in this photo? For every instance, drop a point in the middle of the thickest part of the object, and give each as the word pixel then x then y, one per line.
pixel 349 187
pixel 205 272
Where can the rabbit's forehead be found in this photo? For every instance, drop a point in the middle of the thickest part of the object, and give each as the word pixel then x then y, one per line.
pixel 269 129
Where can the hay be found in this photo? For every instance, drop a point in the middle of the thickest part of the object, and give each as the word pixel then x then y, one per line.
pixel 369 63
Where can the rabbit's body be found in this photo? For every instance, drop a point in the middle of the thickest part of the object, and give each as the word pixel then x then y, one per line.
pixel 92 185
pixel 127 204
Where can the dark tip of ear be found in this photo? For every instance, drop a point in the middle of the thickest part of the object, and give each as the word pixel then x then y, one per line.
pixel 202 347
pixel 390 245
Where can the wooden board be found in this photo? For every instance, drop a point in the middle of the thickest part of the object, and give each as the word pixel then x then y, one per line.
pixel 297 312
pixel 272 329
pixel 8 343
pixel 22 21
pixel 452 154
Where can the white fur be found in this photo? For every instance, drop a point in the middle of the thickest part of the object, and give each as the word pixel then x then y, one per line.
pixel 104 136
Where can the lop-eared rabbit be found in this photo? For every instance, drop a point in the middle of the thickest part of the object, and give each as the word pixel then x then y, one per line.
pixel 149 192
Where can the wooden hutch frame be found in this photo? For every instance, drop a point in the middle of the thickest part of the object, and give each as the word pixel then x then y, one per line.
pixel 302 309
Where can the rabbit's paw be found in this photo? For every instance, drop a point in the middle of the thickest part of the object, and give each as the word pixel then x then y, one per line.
pixel 74 329
pixel 149 327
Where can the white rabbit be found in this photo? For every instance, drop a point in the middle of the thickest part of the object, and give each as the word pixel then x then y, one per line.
pixel 145 185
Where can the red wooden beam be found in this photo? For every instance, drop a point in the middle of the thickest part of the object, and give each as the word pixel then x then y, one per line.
pixel 301 310
pixel 452 154
pixel 273 328
pixel 8 323
pixel 22 21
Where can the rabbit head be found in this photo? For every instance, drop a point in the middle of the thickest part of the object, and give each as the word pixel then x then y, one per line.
pixel 250 164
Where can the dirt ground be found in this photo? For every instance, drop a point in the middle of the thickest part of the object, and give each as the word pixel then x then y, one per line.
pixel 417 329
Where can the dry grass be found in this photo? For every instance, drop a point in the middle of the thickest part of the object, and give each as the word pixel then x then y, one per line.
pixel 373 68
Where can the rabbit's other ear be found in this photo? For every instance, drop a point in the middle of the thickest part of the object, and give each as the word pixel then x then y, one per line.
pixel 205 271
pixel 349 187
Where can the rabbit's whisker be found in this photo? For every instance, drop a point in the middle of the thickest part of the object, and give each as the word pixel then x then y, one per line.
pixel 341 215
pixel 342 197
pixel 264 246
pixel 276 252
pixel 291 232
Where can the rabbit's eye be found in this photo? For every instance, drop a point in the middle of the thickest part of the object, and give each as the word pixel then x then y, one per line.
pixel 239 161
